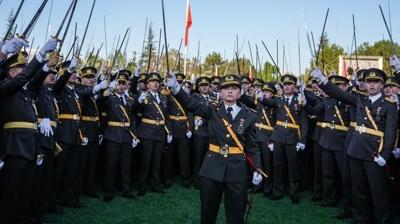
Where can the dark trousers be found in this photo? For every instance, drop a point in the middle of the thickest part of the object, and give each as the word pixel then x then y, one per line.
pixel 286 156
pixel 332 170
pixel 150 163
pixel 347 185
pixel 90 168
pixel 317 177
pixel 370 192
pixel 43 187
pixel 117 155
pixel 267 163
pixel 16 189
pixel 235 198
pixel 181 146
pixel 200 147
pixel 67 172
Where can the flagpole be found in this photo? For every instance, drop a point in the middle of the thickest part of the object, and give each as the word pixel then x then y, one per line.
pixel 185 62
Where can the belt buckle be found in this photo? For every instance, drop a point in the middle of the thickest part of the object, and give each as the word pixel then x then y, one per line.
pixel 332 126
pixel 157 122
pixel 285 124
pixel 224 151
pixel 122 124
pixel 92 119
pixel 74 117
pixel 362 129
pixel 35 126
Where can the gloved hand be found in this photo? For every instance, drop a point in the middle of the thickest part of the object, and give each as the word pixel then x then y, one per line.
pixel 14 46
pixel 137 72
pixel 260 95
pixel 100 139
pixel 271 146
pixel 300 146
pixel 102 85
pixel 1 164
pixel 74 64
pixel 317 74
pixel 85 141
pixel 257 178
pixel 173 83
pixel 380 160
pixel 135 142
pixel 198 122
pixel 189 134
pixel 49 46
pixel 396 153
pixel 112 85
pixel 193 80
pixel 142 97
pixel 169 138
pixel 39 160
pixel 395 63
pixel 45 127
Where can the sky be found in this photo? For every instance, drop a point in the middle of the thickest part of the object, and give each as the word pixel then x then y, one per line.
pixel 217 22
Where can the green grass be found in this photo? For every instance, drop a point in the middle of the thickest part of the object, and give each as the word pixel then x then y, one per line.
pixel 181 205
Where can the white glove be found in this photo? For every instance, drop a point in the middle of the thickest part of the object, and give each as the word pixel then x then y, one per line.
pixel 396 153
pixel 189 134
pixel 260 95
pixel 198 122
pixel 45 127
pixel 39 160
pixel 142 97
pixel 1 164
pixel 257 178
pixel 380 160
pixel 173 83
pixel 49 46
pixel 100 139
pixel 14 46
pixel 73 65
pixel 135 142
pixel 193 80
pixel 317 74
pixel 102 85
pixel 271 146
pixel 112 85
pixel 137 72
pixel 395 63
pixel 169 138
pixel 300 146
pixel 85 141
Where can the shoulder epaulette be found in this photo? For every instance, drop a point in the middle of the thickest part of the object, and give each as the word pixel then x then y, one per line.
pixel 387 99
pixel 165 92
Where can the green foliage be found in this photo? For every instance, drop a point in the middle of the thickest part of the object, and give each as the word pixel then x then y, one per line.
pixel 9 21
pixel 382 48
pixel 328 59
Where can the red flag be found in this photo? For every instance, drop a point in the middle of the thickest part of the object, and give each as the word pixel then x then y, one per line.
pixel 188 23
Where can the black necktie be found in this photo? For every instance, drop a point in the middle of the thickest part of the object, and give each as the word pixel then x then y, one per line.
pixel 287 101
pixel 122 100
pixel 229 110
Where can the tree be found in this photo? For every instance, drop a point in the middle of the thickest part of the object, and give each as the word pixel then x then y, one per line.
pixel 382 48
pixel 9 21
pixel 150 49
pixel 328 59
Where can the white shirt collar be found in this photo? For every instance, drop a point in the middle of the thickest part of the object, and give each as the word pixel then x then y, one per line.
pixel 288 97
pixel 375 98
pixel 235 110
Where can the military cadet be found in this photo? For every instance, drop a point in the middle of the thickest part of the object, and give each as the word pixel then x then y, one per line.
pixel 43 193
pixel 370 147
pixel 332 141
pixel 119 136
pixel 214 90
pixel 90 128
pixel 201 137
pixel 265 122
pixel 153 132
pixel 245 82
pixel 19 151
pixel 69 134
pixel 180 131
pixel 224 169
pixel 288 138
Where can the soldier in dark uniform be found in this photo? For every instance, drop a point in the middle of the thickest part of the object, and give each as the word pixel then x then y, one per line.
pixel 69 135
pixel 180 131
pixel 43 192
pixel 332 141
pixel 201 136
pixel 370 147
pixel 214 90
pixel 289 137
pixel 224 169
pixel 20 151
pixel 152 132
pixel 119 136
pixel 90 128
